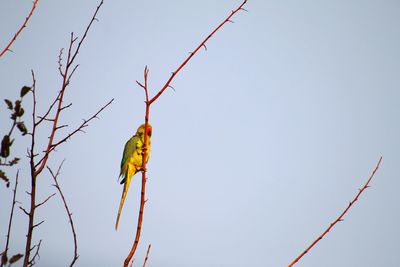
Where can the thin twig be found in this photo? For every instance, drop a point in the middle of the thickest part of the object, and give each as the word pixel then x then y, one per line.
pixel 84 35
pixel 4 256
pixel 32 261
pixel 202 44
pixel 44 201
pixel 340 218
pixel 147 255
pixel 7 48
pixel 80 127
pixel 31 213
pixel 24 210
pixel 67 210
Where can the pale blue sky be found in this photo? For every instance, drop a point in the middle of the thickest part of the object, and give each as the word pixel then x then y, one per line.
pixel 268 135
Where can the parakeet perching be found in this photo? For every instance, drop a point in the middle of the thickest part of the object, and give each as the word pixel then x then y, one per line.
pixel 131 162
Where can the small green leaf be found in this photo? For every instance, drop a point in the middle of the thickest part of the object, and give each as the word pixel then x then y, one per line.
pixel 24 90
pixel 9 104
pixel 5 146
pixel 15 258
pixel 21 126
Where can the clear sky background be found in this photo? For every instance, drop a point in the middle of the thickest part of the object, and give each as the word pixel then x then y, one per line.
pixel 266 138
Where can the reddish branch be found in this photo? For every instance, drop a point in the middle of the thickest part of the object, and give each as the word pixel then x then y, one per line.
pixel 7 48
pixel 144 179
pixel 67 210
pixel 202 44
pixel 4 253
pixel 37 166
pixel 340 218
pixel 147 112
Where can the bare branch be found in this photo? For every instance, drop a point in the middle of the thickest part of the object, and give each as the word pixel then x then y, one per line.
pixel 202 44
pixel 84 35
pixel 24 210
pixel 67 210
pixel 83 125
pixel 67 106
pixel 143 169
pixel 44 117
pixel 32 261
pixel 60 62
pixel 148 104
pixel 44 201
pixel 66 78
pixel 340 218
pixel 36 225
pixel 7 48
pixel 62 126
pixel 10 220
pixel 37 167
pixel 72 73
pixel 147 255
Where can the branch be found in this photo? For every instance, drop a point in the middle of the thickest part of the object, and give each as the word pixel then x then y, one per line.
pixel 32 261
pixel 66 78
pixel 143 189
pixel 31 213
pixel 84 35
pixel 4 256
pixel 44 201
pixel 83 125
pixel 44 117
pixel 24 210
pixel 37 167
pixel 67 210
pixel 7 48
pixel 202 44
pixel 340 218
pixel 147 255
pixel 148 104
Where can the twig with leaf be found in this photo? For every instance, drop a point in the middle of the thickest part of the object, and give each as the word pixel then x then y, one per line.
pixel 17 111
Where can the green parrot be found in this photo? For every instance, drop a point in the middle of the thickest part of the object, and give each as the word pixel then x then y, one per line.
pixel 132 162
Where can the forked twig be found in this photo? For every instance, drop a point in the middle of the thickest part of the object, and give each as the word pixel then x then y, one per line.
pixel 148 104
pixel 340 218
pixel 7 48
pixel 202 44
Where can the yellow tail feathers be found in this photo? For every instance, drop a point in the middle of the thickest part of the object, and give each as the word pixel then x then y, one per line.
pixel 121 204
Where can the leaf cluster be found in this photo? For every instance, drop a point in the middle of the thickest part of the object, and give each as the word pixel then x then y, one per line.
pixel 12 260
pixel 17 111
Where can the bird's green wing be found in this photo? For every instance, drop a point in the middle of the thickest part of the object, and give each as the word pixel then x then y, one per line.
pixel 129 150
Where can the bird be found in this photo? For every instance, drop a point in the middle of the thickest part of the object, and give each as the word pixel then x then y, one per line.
pixel 132 162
